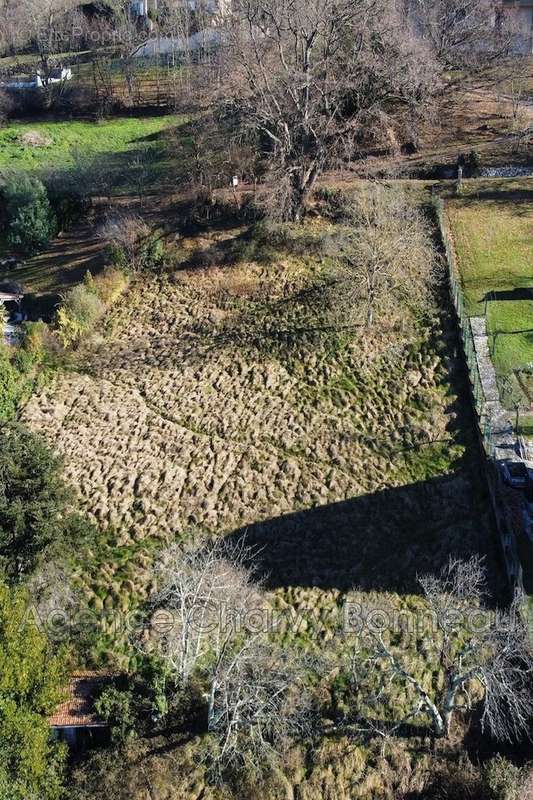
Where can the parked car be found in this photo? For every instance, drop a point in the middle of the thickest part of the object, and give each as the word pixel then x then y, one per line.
pixel 515 474
pixel 12 334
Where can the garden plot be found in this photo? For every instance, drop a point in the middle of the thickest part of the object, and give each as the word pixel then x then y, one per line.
pixel 220 401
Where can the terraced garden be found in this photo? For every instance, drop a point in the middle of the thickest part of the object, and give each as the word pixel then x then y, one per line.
pixel 220 400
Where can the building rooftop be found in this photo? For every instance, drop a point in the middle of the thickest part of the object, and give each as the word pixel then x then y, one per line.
pixel 9 290
pixel 77 710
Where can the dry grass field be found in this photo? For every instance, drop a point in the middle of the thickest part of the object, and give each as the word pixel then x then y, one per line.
pixel 219 400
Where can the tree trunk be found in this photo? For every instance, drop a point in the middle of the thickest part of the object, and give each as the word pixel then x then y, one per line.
pixel 211 705
pixel 302 184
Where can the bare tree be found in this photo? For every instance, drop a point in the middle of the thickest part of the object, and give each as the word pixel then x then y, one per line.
pixel 309 79
pixel 125 234
pixel 464 33
pixel 524 139
pixel 256 704
pixel 513 92
pixel 477 653
pixel 141 170
pixel 210 620
pixel 383 256
pixel 127 35
pixel 12 34
pixel 204 594
pixel 45 22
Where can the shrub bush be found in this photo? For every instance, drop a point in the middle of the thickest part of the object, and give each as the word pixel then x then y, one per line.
pixel 131 245
pixel 125 235
pixel 33 500
pixel 34 337
pixel 502 779
pixel 454 779
pixel 333 203
pixel 11 389
pixel 28 217
pixel 117 255
pixel 116 707
pixel 68 206
pixel 471 163
pixel 6 106
pixel 39 341
pixel 80 310
pixel 85 304
pixel 16 380
pixel 152 252
pixel 109 285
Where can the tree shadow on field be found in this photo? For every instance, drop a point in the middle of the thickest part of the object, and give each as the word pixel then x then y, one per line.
pixel 519 293
pixel 501 194
pixel 378 541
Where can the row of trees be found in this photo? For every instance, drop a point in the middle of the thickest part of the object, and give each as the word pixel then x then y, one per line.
pixel 37 522
pixel 210 632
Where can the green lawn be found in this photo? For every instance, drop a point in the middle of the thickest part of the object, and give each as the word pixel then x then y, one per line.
pixel 61 139
pixel 27 59
pixel 511 326
pixel 115 143
pixel 493 234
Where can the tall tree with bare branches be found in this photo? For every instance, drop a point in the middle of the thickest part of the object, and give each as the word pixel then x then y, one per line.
pixel 464 33
pixel 481 655
pixel 204 594
pixel 209 620
pixel 256 704
pixel 383 258
pixel 309 79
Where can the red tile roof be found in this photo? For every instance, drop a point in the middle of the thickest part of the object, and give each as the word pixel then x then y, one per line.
pixel 77 709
